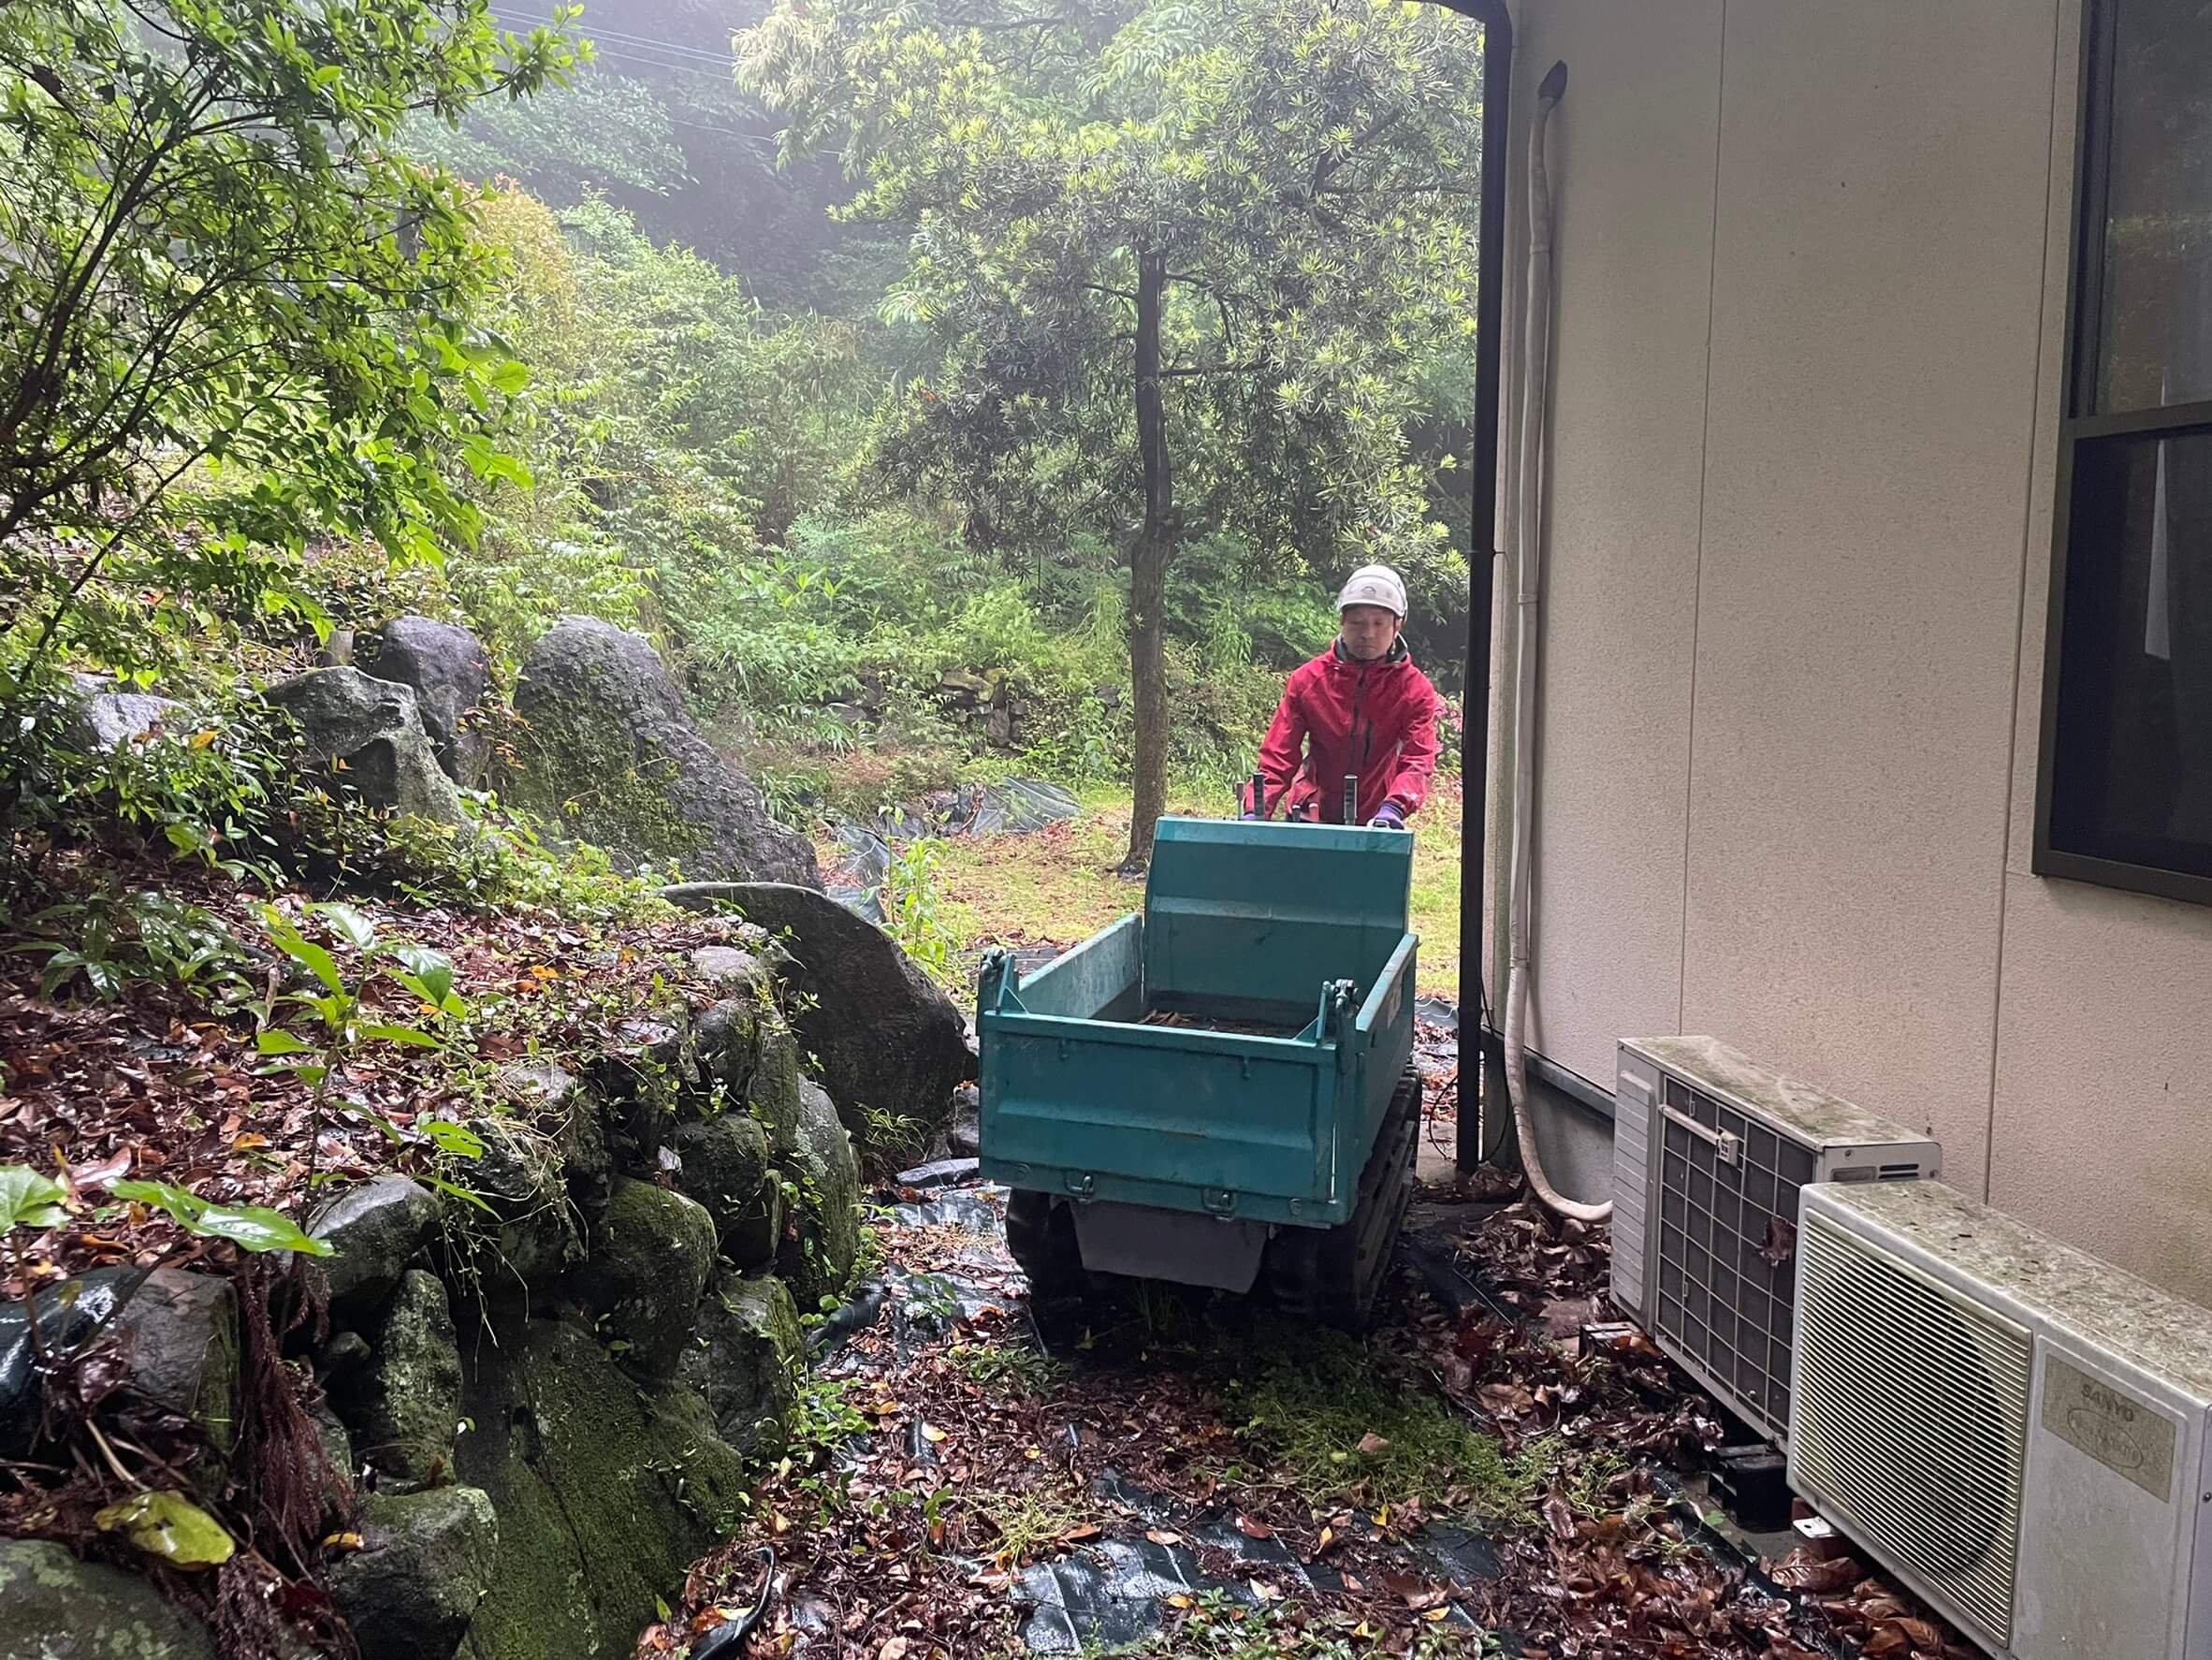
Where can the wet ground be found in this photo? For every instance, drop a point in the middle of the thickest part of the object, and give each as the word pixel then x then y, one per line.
pixel 1498 1468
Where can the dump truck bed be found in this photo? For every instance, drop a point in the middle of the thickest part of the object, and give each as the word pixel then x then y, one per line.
pixel 1108 1075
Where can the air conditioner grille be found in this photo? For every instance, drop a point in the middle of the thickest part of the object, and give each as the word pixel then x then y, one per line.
pixel 1724 1282
pixel 1911 1422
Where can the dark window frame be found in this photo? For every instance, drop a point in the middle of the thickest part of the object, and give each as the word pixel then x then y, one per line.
pixel 2080 424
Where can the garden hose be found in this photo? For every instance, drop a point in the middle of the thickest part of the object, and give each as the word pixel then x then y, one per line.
pixel 727 1641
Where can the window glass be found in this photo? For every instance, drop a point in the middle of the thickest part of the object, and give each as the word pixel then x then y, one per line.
pixel 2133 778
pixel 2155 336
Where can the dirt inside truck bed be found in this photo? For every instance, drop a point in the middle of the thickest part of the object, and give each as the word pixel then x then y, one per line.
pixel 1206 1022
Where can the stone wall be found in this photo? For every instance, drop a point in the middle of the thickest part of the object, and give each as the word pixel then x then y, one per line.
pixel 545 1404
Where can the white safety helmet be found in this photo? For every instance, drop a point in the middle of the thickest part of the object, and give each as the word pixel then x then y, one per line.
pixel 1374 585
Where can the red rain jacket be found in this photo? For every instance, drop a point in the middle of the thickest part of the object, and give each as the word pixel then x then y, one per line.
pixel 1376 719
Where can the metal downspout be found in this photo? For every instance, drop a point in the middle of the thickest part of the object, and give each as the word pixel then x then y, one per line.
pixel 1482 542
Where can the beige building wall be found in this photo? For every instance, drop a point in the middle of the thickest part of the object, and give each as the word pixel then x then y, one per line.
pixel 1812 263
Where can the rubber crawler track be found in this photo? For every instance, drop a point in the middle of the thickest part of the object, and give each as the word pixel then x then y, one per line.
pixel 1331 1275
pixel 1334 1276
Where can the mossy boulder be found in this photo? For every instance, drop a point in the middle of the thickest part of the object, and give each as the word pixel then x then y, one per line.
pixel 180 1334
pixel 54 1606
pixel 746 1361
pixel 728 1169
pixel 649 1263
pixel 562 1105
pixel 817 1256
pixel 374 1228
pixel 450 674
pixel 606 1494
pixel 401 1406
pixel 889 1045
pixel 611 754
pixel 523 1235
pixel 425 1563
pixel 734 969
pixel 772 1086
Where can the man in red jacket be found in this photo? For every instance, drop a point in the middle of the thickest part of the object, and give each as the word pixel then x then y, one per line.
pixel 1360 707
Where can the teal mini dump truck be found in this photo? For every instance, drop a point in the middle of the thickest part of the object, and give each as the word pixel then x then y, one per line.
pixel 1217 1090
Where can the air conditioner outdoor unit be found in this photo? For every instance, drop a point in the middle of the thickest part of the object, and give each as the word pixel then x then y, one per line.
pixel 2014 1429
pixel 1709 1150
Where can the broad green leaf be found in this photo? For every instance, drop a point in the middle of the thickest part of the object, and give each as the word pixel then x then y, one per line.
pixel 250 1226
pixel 29 1200
pixel 350 924
pixel 301 950
pixel 458 1192
pixel 278 1041
pixel 453 1138
pixel 170 1526
pixel 429 974
pixel 408 1035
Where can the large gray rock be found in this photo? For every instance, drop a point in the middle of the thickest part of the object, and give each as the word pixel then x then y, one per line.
pixel 100 718
pixel 746 1364
pixel 374 1230
pixel 560 1104
pixel 607 1492
pixel 373 726
pixel 887 1039
pixel 177 1332
pixel 530 1236
pixel 964 1135
pixel 451 674
pixel 610 754
pixel 181 1341
pixel 68 1312
pixel 401 1407
pixel 425 1563
pixel 54 1606
pixel 649 1263
pixel 771 1087
pixel 727 1170
pixel 816 1258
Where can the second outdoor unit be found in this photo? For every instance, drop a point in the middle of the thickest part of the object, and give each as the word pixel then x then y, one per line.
pixel 2021 1432
pixel 1709 1150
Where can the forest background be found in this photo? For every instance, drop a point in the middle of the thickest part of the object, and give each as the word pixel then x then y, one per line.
pixel 861 355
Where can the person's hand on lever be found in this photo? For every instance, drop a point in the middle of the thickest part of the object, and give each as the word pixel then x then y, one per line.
pixel 1387 817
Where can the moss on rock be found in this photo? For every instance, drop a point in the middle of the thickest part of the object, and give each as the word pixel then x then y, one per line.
pixel 748 1360
pixel 818 1254
pixel 606 1493
pixel 55 1607
pixel 726 1168
pixel 401 1406
pixel 647 1265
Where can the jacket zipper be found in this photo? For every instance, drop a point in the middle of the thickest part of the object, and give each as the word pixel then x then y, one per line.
pixel 1352 733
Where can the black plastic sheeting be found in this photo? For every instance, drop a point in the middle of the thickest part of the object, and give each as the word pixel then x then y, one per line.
pixel 68 1314
pixel 1015 808
pixel 1111 1594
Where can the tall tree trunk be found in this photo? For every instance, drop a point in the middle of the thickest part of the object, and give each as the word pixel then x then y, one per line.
pixel 1148 571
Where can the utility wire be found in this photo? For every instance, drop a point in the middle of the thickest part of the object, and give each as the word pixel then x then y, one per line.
pixel 519 21
pixel 617 57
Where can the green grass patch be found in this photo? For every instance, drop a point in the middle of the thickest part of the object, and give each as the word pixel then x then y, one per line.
pixel 1347 1429
pixel 1316 1399
pixel 1015 1369
pixel 1061 884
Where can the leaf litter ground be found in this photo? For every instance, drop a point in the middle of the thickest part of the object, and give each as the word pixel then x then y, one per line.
pixel 1175 1476
pixel 154 1084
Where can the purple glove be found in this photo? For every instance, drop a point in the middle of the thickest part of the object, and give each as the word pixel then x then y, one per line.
pixel 1252 818
pixel 1387 817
